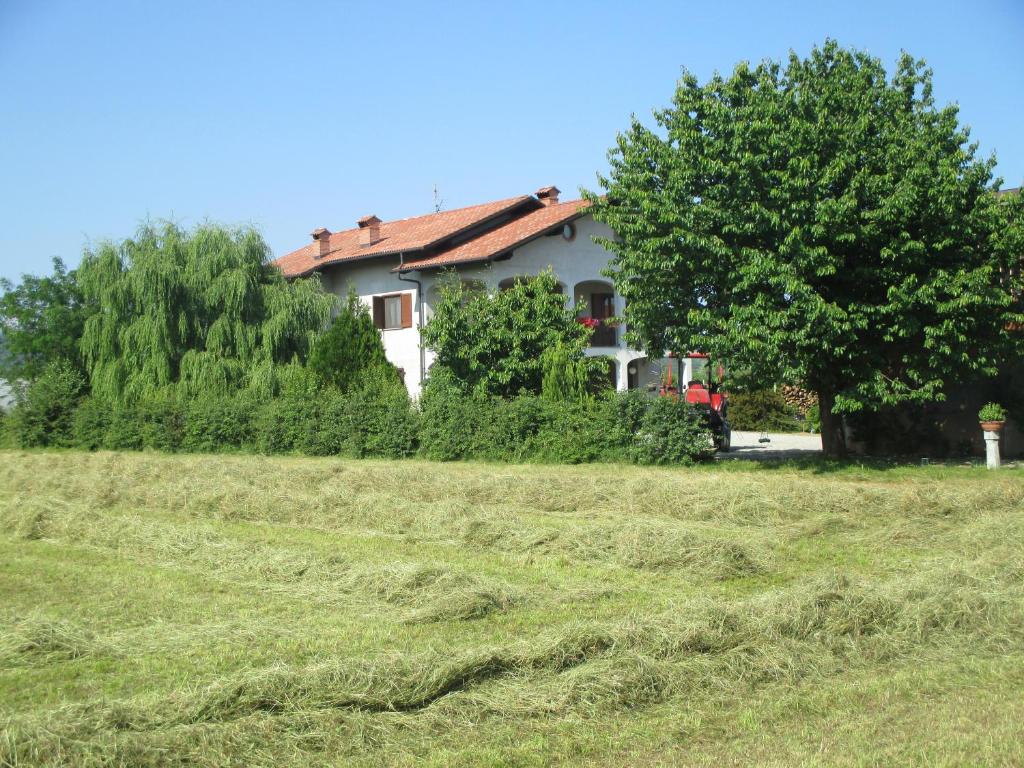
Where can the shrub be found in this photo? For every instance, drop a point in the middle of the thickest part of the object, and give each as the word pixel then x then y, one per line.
pixel 761 411
pixel 494 343
pixel 350 346
pixel 992 412
pixel 566 374
pixel 374 419
pixel 44 414
pixel 161 421
pixel 448 417
pixel 219 423
pixel 330 432
pixel 124 429
pixel 672 432
pixel 572 433
pixel 616 426
pixel 90 424
pixel 284 424
pixel 384 422
pixel 155 422
pixel 6 437
pixel 627 411
pixel 506 428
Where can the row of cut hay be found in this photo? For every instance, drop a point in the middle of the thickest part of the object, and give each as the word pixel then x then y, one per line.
pixel 425 593
pixel 810 630
pixel 642 543
pixel 37 638
pixel 328 493
pixel 724 549
pixel 705 551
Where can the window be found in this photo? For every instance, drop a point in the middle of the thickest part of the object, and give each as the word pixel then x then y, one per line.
pixel 392 312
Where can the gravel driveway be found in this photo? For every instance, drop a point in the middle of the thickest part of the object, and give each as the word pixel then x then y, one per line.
pixel 783 445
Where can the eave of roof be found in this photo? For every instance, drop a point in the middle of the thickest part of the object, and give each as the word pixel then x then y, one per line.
pixel 504 239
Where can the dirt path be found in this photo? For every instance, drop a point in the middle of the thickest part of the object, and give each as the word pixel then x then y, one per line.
pixel 746 445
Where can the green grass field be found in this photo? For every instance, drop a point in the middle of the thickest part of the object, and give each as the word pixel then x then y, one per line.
pixel 199 610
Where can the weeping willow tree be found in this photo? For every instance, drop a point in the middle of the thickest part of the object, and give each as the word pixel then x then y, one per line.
pixel 202 310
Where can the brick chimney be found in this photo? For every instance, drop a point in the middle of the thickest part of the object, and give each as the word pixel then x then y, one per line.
pixel 369 230
pixel 322 237
pixel 548 195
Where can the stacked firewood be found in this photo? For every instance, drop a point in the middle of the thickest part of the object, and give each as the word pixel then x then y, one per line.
pixel 798 398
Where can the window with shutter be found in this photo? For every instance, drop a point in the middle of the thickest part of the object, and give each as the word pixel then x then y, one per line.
pixel 392 312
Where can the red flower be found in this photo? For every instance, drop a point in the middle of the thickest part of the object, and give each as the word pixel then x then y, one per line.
pixel 590 322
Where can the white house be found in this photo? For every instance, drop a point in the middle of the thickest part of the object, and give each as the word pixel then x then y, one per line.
pixel 396 267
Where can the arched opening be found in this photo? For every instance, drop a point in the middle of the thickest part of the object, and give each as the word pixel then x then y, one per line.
pixel 596 300
pixel 433 294
pixel 653 375
pixel 633 372
pixel 470 285
pixel 509 282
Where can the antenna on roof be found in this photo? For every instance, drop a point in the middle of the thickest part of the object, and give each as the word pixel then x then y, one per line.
pixel 438 201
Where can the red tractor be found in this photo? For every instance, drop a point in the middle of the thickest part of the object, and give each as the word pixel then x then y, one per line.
pixel 703 390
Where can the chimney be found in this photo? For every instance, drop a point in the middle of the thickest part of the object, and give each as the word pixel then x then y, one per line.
pixel 369 230
pixel 322 237
pixel 548 195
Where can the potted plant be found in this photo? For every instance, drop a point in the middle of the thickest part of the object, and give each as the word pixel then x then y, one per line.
pixel 992 417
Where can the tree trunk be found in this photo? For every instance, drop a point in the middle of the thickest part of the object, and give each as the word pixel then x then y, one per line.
pixel 833 432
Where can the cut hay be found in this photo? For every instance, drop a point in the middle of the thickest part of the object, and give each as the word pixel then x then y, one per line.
pixel 218 611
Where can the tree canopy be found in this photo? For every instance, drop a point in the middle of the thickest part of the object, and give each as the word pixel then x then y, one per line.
pixel 201 309
pixel 819 221
pixel 495 343
pixel 41 321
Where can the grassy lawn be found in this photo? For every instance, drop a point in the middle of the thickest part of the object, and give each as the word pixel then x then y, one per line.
pixel 198 610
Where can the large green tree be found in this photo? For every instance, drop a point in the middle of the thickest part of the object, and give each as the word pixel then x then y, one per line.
pixel 495 343
pixel 819 221
pixel 203 310
pixel 41 321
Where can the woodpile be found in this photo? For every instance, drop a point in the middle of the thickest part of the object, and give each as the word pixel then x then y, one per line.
pixel 798 398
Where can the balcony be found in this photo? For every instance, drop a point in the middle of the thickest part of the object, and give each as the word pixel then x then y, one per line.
pixel 602 332
pixel 598 302
pixel 603 335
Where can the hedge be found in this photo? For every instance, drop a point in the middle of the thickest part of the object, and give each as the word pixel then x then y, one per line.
pixel 374 419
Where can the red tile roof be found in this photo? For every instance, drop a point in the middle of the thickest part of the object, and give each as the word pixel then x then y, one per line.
pixel 402 236
pixel 503 238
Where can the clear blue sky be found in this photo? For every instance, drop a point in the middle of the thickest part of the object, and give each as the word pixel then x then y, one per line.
pixel 295 116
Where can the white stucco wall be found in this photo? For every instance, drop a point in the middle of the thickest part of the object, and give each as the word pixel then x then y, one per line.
pixel 573 262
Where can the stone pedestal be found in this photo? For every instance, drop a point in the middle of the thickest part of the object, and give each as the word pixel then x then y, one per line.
pixel 991 449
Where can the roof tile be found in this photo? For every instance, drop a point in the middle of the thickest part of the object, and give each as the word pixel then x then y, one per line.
pixel 402 236
pixel 504 238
